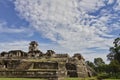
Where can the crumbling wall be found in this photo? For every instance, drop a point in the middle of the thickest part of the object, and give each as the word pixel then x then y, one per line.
pixel 71 70
pixel 9 64
pixel 45 65
pixel 61 55
pixel 50 75
pixel 62 72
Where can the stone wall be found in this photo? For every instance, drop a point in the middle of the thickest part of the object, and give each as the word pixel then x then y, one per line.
pixel 61 55
pixel 9 63
pixel 45 65
pixel 62 72
pixel 50 75
pixel 71 70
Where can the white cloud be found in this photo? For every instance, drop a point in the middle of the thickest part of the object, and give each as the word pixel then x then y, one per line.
pixel 15 45
pixel 91 57
pixel 69 22
pixel 110 1
pixel 5 28
pixel 117 6
pixel 89 6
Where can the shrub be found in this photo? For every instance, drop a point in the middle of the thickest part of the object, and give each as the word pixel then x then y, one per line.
pixel 102 76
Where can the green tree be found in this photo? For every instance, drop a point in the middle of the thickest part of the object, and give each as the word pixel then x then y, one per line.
pixel 114 57
pixel 98 62
pixel 91 64
pixel 99 65
pixel 115 51
pixel 114 67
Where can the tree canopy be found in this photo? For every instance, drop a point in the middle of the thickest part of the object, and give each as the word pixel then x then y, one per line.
pixel 115 51
pixel 99 61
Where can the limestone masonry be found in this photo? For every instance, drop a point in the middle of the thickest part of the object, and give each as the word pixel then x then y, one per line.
pixel 36 64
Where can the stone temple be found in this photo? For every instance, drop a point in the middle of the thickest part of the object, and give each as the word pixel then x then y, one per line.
pixel 36 64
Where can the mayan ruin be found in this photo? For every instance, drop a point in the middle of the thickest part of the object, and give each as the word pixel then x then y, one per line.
pixel 36 64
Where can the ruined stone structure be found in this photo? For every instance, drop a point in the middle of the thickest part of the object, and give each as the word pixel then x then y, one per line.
pixel 49 65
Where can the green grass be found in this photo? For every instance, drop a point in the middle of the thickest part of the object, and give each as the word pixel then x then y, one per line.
pixel 88 79
pixel 93 78
pixel 111 79
pixel 21 79
pixel 45 79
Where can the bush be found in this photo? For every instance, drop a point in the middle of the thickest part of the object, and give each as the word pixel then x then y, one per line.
pixel 102 76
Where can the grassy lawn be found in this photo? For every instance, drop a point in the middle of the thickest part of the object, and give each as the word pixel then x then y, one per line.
pixel 20 79
pixel 45 79
pixel 111 79
pixel 93 78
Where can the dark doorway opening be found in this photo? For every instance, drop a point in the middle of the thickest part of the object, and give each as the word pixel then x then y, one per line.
pixel 71 70
pixel 89 75
pixel 72 74
pixel 70 66
pixel 6 64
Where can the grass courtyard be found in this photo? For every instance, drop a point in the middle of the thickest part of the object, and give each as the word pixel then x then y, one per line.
pixel 20 79
pixel 46 79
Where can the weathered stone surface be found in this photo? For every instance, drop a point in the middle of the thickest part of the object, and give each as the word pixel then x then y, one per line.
pixel 34 63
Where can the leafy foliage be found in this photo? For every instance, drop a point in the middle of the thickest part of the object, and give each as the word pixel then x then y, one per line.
pixel 115 51
pixel 114 56
pixel 90 64
pixel 99 62
pixel 111 70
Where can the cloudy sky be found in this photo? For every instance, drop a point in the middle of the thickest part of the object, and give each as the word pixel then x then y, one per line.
pixel 65 26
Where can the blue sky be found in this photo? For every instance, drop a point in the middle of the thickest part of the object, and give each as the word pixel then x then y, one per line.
pixel 68 26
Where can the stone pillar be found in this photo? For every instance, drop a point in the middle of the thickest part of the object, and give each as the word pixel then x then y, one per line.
pixel 62 72
pixel 81 71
